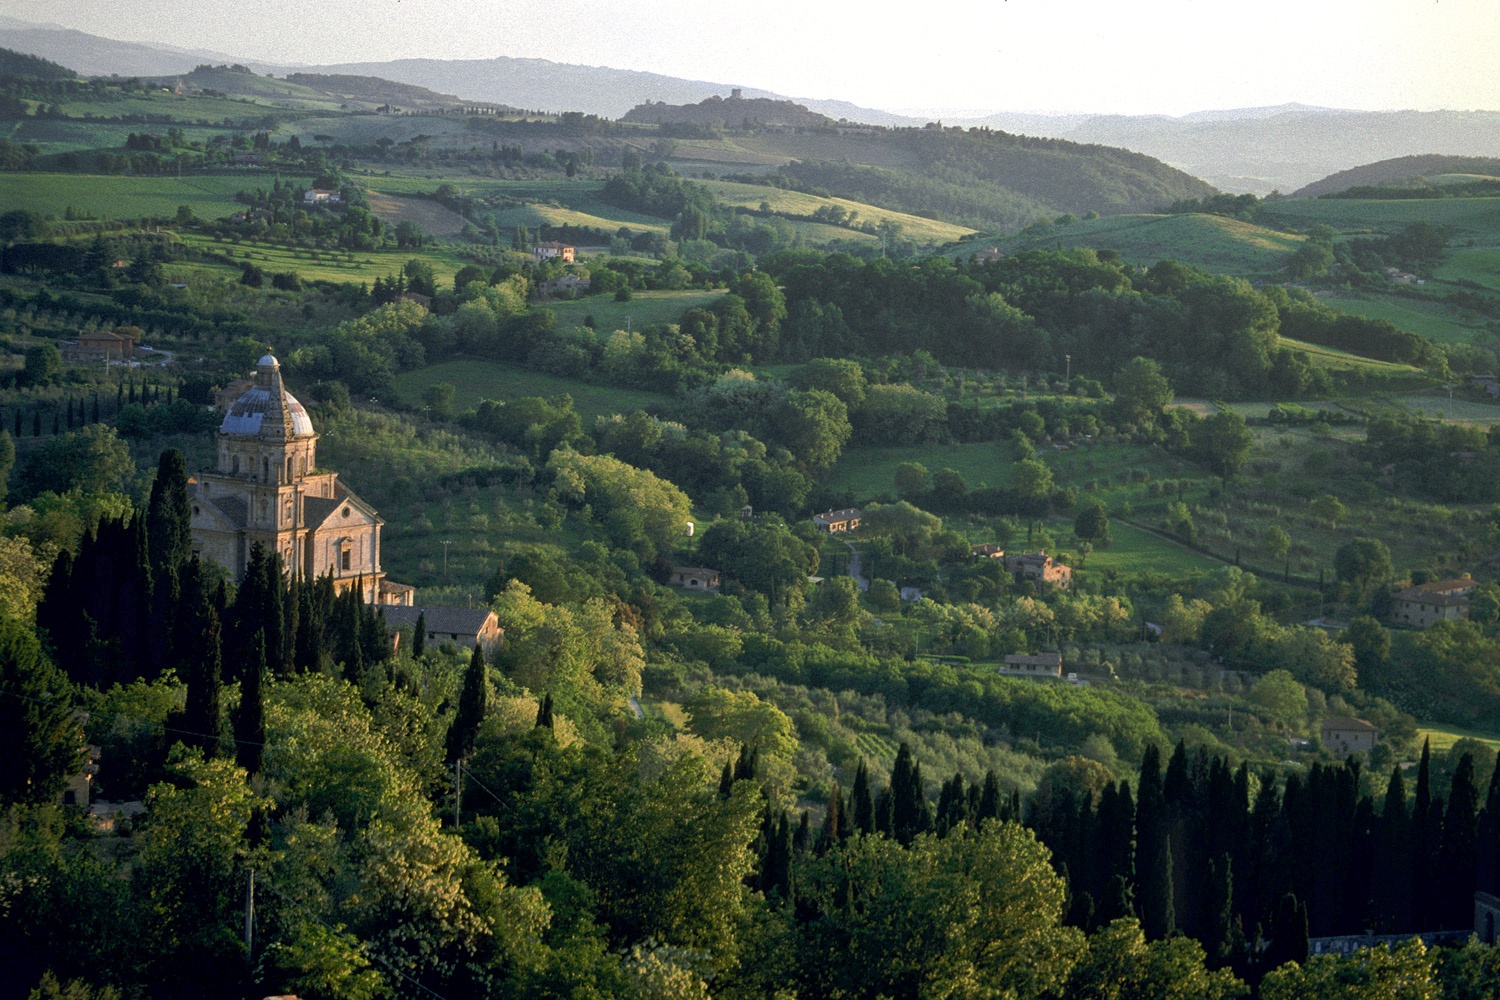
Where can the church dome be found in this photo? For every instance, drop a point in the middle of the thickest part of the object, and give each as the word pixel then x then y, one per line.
pixel 267 409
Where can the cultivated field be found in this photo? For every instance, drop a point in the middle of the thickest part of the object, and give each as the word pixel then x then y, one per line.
pixel 208 195
pixel 480 380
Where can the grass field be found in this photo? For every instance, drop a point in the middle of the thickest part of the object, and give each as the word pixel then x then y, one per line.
pixel 208 195
pixel 479 380
pixel 556 203
pixel 1459 411
pixel 644 309
pixel 868 472
pixel 321 265
pixel 1332 357
pixel 1132 550
pixel 1215 243
pixel 1428 319
pixel 1477 264
pixel 1470 216
pixel 1443 737
pixel 175 106
pixel 796 203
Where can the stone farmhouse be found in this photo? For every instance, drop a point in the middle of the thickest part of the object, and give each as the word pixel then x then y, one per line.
pixel 1344 736
pixel 695 578
pixel 1033 665
pixel 834 521
pixel 1040 568
pixel 1429 603
pixel 466 627
pixel 553 250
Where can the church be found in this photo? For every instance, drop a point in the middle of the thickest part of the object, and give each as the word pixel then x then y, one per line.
pixel 268 489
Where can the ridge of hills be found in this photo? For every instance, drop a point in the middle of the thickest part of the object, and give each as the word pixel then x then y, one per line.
pixel 1256 150
pixel 1401 171
pixel 733 111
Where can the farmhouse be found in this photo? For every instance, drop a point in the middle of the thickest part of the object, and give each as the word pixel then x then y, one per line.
pixel 553 251
pixel 834 521
pixel 268 490
pixel 564 285
pixel 107 343
pixel 320 196
pixel 466 627
pixel 1033 665
pixel 1038 567
pixel 1344 736
pixel 1429 603
pixel 695 578
pixel 989 550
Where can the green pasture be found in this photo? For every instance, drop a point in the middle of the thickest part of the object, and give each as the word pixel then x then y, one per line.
pixel 208 195
pixel 178 107
pixel 1332 357
pixel 1428 319
pixel 555 203
pixel 1470 216
pixel 1458 411
pixel 1480 265
pixel 366 130
pixel 1212 242
pixel 796 203
pixel 1133 550
pixel 322 265
pixel 480 380
pixel 869 472
pixel 644 309
pixel 1444 736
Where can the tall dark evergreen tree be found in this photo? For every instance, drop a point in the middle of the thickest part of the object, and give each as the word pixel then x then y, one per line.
pixel 1390 889
pixel 41 741
pixel 1488 879
pixel 472 702
pixel 861 802
pixel 202 720
pixel 250 719
pixel 544 714
pixel 1427 839
pixel 1459 857
pixel 910 812
pixel 419 636
pixel 1153 859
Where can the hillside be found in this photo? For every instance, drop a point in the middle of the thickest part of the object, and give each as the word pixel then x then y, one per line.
pixel 13 63
pixel 1212 242
pixel 1401 171
pixel 1283 148
pixel 734 111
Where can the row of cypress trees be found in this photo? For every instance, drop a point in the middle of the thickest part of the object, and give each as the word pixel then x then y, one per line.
pixel 136 602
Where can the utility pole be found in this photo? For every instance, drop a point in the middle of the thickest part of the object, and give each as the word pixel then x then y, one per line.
pixel 250 918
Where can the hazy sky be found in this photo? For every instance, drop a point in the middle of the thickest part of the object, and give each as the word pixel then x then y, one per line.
pixel 1165 56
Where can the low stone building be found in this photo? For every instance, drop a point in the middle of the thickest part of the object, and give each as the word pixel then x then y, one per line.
pixel 553 250
pixel 695 578
pixel 1429 603
pixel 1033 665
pixel 1344 736
pixel 466 627
pixel 834 521
pixel 1039 567
pixel 989 550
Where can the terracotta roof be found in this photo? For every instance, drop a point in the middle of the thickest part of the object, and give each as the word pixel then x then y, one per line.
pixel 1343 723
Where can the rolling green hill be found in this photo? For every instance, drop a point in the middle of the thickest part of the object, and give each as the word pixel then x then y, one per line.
pixel 1402 171
pixel 1212 242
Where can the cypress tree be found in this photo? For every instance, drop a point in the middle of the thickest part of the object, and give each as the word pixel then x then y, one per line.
pixel 70 412
pixel 169 513
pixel 1390 888
pixel 1289 938
pixel 16 422
pixel 1218 940
pixel 56 423
pixel 831 833
pixel 1158 914
pixel 419 637
pixel 1488 878
pixel 1427 835
pixel 862 804
pixel 544 713
pixel 250 719
pixel 747 767
pixel 1153 861
pixel 36 423
pixel 777 877
pixel 201 719
pixel 909 815
pixel 802 839
pixel 1459 862
pixel 94 412
pixel 726 780
pixel 990 806
pixel 471 707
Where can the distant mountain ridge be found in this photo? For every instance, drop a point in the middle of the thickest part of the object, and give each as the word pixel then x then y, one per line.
pixel 732 111
pixel 1394 171
pixel 1247 149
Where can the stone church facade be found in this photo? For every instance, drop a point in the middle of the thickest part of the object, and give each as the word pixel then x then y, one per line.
pixel 268 489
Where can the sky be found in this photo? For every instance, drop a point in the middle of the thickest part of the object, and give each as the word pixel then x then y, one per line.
pixel 1148 57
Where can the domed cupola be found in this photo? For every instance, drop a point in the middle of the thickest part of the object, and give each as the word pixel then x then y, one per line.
pixel 266 410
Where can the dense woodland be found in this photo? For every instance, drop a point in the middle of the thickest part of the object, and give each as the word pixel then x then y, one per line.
pixel 816 782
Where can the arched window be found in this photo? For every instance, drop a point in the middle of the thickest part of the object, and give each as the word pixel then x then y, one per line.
pixel 289 468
